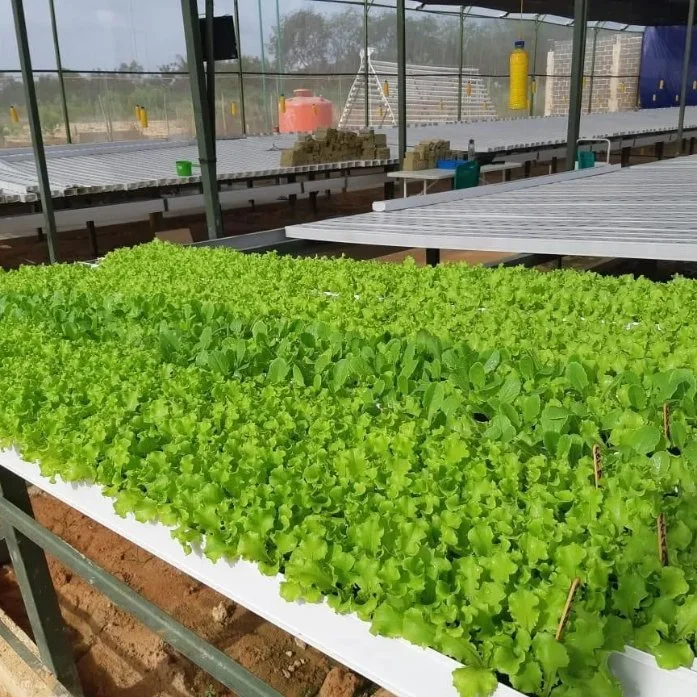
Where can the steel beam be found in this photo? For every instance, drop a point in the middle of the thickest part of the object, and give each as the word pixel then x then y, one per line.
pixel 576 89
pixel 240 68
pixel 204 131
pixel 38 594
pixel 366 68
pixel 215 662
pixel 279 50
pixel 533 90
pixel 402 78
pixel 592 79
pixel 461 63
pixel 59 68
pixel 263 64
pixel 37 140
pixel 685 73
pixel 209 52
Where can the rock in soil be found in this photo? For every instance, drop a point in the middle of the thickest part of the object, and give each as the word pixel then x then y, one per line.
pixel 382 692
pixel 222 612
pixel 341 683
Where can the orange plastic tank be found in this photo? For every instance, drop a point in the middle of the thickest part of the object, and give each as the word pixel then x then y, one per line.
pixel 305 113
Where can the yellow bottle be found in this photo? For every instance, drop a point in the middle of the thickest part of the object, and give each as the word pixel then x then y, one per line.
pixel 519 69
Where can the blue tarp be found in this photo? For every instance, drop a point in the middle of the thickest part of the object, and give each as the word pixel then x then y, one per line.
pixel 661 67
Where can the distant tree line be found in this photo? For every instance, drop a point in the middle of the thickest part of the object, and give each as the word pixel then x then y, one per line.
pixel 327 45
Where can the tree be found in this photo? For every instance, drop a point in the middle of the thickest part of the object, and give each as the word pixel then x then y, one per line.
pixel 132 67
pixel 346 41
pixel 305 39
pixel 178 65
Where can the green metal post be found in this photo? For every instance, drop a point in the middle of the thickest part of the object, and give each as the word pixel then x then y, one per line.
pixel 576 89
pixel 37 139
pixel 533 91
pixel 402 78
pixel 279 49
pixel 215 662
pixel 240 68
pixel 685 73
pixel 204 132
pixel 263 65
pixel 461 63
pixel 590 86
pixel 59 68
pixel 366 67
pixel 38 594
pixel 210 66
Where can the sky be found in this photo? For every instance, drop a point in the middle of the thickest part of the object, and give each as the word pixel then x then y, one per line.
pixel 105 33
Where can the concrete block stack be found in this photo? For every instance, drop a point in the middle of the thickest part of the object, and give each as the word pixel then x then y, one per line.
pixel 332 145
pixel 426 155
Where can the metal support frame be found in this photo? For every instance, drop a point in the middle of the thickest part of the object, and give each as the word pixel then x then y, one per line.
pixel 576 89
pixel 39 596
pixel 685 73
pixel 402 78
pixel 59 68
pixel 204 132
pixel 596 29
pixel 210 64
pixel 263 63
pixel 240 68
pixel 37 140
pixel 433 257
pixel 533 86
pixel 92 234
pixel 461 63
pixel 279 50
pixel 366 41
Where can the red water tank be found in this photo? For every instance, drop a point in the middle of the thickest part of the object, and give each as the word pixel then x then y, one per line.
pixel 305 113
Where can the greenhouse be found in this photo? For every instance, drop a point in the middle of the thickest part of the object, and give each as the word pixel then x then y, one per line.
pixel 345 348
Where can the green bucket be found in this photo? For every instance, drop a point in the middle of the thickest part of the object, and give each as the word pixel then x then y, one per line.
pixel 184 168
pixel 586 159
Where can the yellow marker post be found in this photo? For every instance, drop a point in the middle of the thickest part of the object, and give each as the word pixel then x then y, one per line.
pixel 144 121
pixel 14 114
pixel 233 108
pixel 468 88
pixel 282 104
pixel 386 89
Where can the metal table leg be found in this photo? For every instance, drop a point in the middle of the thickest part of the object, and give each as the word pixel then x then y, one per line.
pixel 433 257
pixel 38 593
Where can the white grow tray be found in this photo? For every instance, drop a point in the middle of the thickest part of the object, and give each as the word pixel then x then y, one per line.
pixel 400 667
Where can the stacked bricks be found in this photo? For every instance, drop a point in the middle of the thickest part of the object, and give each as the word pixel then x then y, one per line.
pixel 426 155
pixel 615 82
pixel 332 145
